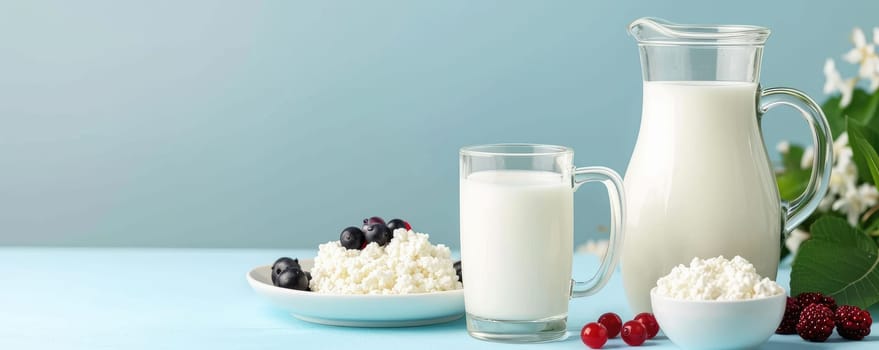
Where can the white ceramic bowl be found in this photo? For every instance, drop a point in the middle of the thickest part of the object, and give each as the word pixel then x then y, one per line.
pixel 718 324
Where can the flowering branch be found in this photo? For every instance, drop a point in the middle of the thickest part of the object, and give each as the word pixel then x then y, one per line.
pixel 835 248
pixel 864 55
pixel 852 192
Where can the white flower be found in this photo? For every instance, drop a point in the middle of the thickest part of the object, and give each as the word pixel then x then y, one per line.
pixel 856 201
pixel 862 50
pixel 843 178
pixel 850 205
pixel 869 195
pixel 844 174
pixel 597 248
pixel 831 76
pixel 834 82
pixel 783 147
pixel 808 156
pixel 827 202
pixel 864 54
pixel 794 240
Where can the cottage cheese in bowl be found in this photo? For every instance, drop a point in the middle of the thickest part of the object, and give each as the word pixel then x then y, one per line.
pixel 717 304
pixel 408 264
pixel 716 279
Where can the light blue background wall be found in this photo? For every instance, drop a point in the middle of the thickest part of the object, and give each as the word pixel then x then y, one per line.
pixel 277 123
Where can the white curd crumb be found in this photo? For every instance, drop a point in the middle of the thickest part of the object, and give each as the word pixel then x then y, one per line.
pixel 408 264
pixel 716 279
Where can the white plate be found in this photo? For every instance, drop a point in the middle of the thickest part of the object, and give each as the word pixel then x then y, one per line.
pixel 404 310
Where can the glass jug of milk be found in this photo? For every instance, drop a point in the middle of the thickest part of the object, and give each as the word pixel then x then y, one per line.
pixel 699 183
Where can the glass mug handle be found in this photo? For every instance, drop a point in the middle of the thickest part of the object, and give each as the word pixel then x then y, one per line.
pixel 800 208
pixel 615 193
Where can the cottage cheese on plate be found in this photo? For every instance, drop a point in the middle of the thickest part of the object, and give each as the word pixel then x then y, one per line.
pixel 408 264
pixel 716 279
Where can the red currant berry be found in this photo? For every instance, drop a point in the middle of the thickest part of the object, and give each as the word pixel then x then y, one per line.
pixel 634 333
pixel 612 322
pixel 594 335
pixel 649 323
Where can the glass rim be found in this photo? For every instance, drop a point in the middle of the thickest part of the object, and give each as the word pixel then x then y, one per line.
pixel 510 150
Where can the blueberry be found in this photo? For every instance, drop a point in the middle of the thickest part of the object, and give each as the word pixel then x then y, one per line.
pixel 293 278
pixel 372 221
pixel 457 266
pixel 398 223
pixel 282 264
pixel 352 238
pixel 379 233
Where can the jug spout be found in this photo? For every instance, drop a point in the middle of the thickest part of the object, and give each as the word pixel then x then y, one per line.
pixel 698 52
pixel 649 30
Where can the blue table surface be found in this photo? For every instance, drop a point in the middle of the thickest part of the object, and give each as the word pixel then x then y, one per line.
pixel 76 298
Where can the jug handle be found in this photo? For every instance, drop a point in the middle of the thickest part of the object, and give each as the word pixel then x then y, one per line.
pixel 799 209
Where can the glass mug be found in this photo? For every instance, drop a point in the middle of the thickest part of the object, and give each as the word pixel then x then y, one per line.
pixel 517 225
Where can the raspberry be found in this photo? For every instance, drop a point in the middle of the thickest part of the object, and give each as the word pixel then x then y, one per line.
pixel 852 322
pixel 791 317
pixel 806 299
pixel 816 323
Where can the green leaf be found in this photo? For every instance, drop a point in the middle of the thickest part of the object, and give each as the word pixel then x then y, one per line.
pixel 835 117
pixel 864 108
pixel 872 227
pixel 792 183
pixel 864 155
pixel 792 180
pixel 840 261
pixel 791 160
